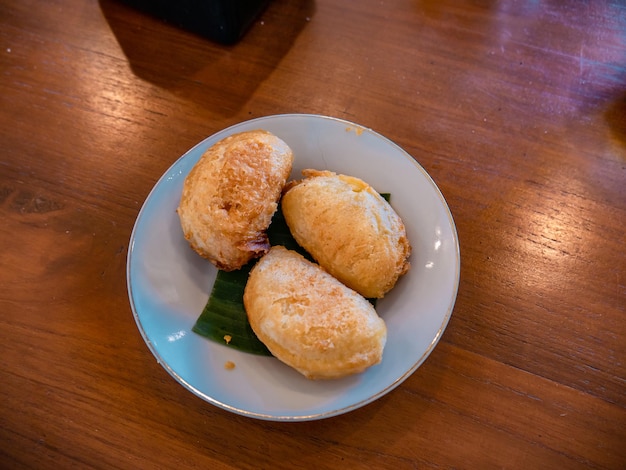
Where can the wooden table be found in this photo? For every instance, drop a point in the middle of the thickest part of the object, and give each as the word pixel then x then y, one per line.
pixel 516 109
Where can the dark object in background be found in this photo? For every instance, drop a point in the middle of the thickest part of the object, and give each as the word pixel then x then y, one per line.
pixel 223 21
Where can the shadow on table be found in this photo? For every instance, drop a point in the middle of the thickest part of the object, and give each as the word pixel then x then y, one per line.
pixel 197 68
pixel 616 118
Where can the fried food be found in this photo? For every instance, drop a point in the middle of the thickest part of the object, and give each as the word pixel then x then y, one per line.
pixel 349 229
pixel 230 195
pixel 309 320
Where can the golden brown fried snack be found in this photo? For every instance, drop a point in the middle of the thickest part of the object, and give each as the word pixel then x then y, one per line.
pixel 309 320
pixel 350 230
pixel 230 195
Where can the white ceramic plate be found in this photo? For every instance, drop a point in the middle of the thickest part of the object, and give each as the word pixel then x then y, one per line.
pixel 168 284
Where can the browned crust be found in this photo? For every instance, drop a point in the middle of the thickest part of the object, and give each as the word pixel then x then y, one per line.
pixel 349 229
pixel 309 320
pixel 230 196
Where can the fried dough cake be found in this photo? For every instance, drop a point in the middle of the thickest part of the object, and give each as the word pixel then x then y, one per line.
pixel 230 195
pixel 349 229
pixel 309 320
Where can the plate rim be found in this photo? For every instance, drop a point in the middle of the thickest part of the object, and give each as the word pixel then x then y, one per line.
pixel 303 416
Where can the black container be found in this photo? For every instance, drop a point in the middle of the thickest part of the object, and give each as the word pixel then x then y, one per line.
pixel 223 21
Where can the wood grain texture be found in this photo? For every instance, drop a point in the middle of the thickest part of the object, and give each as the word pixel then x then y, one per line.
pixel 516 109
